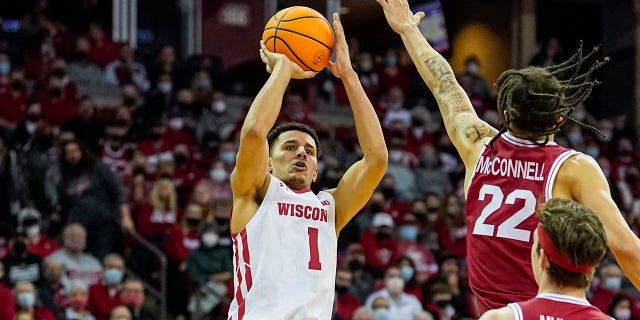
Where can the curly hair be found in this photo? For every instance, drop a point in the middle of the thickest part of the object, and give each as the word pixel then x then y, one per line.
pixel 538 101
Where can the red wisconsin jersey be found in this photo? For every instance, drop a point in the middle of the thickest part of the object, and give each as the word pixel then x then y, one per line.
pixel 551 306
pixel 504 190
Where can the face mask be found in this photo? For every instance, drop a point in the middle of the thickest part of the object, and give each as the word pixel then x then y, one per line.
pixel 26 299
pixel 19 247
pixel 608 134
pixel 442 303
pixel 193 223
pixel 382 235
pixel 622 314
pixel 574 136
pixel 473 68
pixel 375 207
pixel 408 233
pixel 78 303
pixel 176 123
pixel 55 92
pixel 17 85
pixel 407 273
pixel 112 276
pixel 132 299
pixel 342 290
pixel 4 68
pixel 394 285
pixel 76 246
pixel 228 157
pixel 210 239
pixel 355 265
pixel 31 126
pixel 32 231
pixel 592 151
pixel 381 314
pixel 218 174
pixel 180 158
pixel 453 210
pixel 165 86
pixel 218 106
pixel 391 60
pixel 613 284
pixel 204 84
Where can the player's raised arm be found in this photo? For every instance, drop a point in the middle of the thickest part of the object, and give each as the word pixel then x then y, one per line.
pixel 464 127
pixel 252 162
pixel 357 185
pixel 588 185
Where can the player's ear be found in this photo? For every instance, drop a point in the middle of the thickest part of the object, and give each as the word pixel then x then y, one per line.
pixel 544 260
pixel 269 167
pixel 315 176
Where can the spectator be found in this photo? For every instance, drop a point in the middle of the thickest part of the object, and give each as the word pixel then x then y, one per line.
pixel 380 247
pixel 475 85
pixel 221 217
pixel 620 307
pixel 202 90
pixel 20 265
pixel 417 134
pixel 116 151
pixel 12 191
pixel 77 300
pixel 452 229
pixel 401 305
pixel 363 313
pixel 610 286
pixel 220 185
pixel 105 295
pixel 380 307
pixel 394 109
pixel 12 104
pixel 346 303
pixel 427 234
pixel 439 302
pixel 102 50
pixel 391 74
pixel 401 166
pixel 133 297
pixel 120 313
pixel 203 195
pixel 52 294
pixel 186 172
pixel 392 205
pixel 88 76
pixel 5 68
pixel 91 194
pixel 160 99
pixel 362 283
pixel 210 268
pixel 77 264
pixel 294 109
pixel 549 53
pixel 26 129
pixel 126 70
pixel 408 270
pixel 422 261
pixel 430 176
pixel 164 64
pixel 25 296
pixel 449 275
pixel 85 124
pixel 30 221
pixel 57 105
pixel 156 147
pixel 6 296
pixel 216 123
pixel 156 217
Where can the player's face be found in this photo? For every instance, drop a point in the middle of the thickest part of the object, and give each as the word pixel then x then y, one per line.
pixel 293 159
pixel 535 257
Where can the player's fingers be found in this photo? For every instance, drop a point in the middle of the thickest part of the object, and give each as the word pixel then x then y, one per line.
pixel 419 15
pixel 330 66
pixel 263 46
pixel 382 2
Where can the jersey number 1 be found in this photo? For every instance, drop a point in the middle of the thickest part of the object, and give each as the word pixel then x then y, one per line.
pixel 507 229
pixel 314 253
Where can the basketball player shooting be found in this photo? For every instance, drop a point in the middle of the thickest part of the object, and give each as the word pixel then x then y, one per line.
pixel 567 245
pixel 284 235
pixel 509 170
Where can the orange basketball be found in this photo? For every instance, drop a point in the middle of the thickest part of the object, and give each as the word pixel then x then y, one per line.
pixel 303 35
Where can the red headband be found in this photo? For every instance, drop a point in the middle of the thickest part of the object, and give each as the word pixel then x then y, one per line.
pixel 556 256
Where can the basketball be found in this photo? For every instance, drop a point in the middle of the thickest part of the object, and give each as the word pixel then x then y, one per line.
pixel 303 35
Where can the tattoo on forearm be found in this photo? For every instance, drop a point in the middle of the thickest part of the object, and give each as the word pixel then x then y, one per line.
pixel 436 67
pixel 451 98
pixel 474 129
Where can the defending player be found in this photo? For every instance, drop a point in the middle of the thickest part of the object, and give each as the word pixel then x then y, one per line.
pixel 285 236
pixel 509 171
pixel 567 244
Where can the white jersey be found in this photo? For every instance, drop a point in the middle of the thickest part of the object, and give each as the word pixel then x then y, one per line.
pixel 285 258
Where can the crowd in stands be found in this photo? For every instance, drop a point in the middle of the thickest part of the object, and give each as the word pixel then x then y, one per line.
pixel 78 178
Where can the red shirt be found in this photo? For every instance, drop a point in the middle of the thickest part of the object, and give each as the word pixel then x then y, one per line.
pixel 153 222
pixel 103 52
pixel 179 243
pixel 58 110
pixel 44 248
pixel 100 302
pixel 556 306
pixel 426 263
pixel 346 305
pixel 506 186
pixel 602 297
pixel 8 303
pixel 379 254
pixel 12 106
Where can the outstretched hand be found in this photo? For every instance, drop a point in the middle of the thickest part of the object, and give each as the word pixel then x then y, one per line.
pixel 271 59
pixel 399 15
pixel 343 62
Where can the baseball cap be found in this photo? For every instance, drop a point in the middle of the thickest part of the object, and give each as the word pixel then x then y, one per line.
pixel 382 219
pixel 27 213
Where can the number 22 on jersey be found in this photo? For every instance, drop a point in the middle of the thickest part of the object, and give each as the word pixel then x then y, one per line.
pixel 508 228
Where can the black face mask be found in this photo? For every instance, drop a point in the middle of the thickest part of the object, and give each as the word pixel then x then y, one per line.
pixel 17 85
pixel 155 136
pixel 55 92
pixel 355 265
pixel 222 221
pixel 19 248
pixel 375 207
pixel 442 303
pixel 388 192
pixel 193 223
pixel 382 235
pixel 138 170
pixel 58 73
pixel 129 101
pixel 180 159
pixel 33 117
pixel 341 290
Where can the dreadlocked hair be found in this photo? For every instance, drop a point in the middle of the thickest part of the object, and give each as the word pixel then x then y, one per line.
pixel 538 101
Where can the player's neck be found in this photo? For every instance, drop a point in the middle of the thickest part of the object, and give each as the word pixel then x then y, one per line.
pixel 548 287
pixel 520 134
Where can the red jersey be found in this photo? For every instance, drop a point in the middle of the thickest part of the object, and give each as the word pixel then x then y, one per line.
pixel 556 306
pixel 507 184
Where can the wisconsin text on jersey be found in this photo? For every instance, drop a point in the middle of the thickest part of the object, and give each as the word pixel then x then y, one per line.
pixel 301 211
pixel 528 170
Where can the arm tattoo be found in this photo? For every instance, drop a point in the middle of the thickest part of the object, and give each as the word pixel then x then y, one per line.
pixel 450 96
pixel 473 133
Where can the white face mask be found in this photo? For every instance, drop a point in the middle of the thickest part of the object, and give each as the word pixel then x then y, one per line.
pixel 622 314
pixel 176 123
pixel 473 68
pixel 394 285
pixel 218 106
pixel 32 230
pixel 210 239
pixel 218 174
pixel 30 126
pixel 165 86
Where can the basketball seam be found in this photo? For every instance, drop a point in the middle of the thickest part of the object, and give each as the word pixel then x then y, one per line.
pixel 298 18
pixel 291 50
pixel 300 34
pixel 276 33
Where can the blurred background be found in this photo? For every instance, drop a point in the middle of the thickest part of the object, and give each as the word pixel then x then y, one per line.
pixel 119 124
